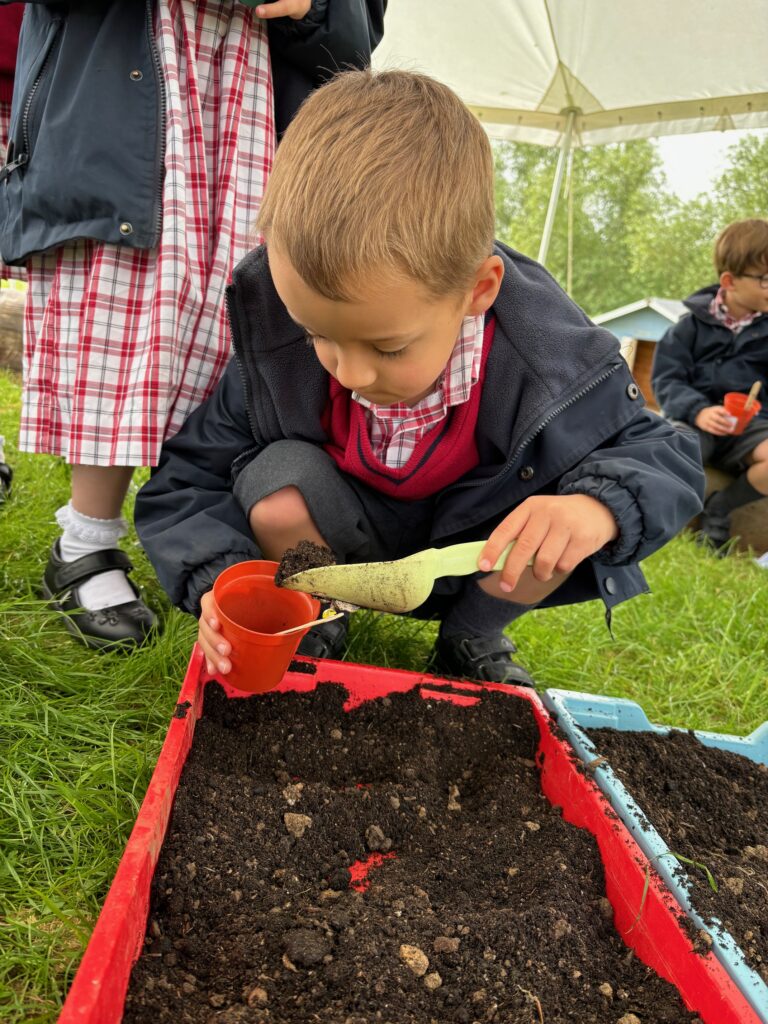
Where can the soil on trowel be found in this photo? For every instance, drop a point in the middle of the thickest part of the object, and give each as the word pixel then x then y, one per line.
pixel 397 863
pixel 306 555
pixel 710 806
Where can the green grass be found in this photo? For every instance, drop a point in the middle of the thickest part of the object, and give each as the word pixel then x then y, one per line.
pixel 80 732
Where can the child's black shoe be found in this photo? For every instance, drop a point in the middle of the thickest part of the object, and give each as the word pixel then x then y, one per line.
pixel 125 625
pixel 326 641
pixel 485 658
pixel 6 475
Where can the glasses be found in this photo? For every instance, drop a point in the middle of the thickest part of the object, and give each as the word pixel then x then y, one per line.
pixel 762 278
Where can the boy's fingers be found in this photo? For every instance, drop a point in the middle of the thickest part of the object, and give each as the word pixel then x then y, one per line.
pixel 208 651
pixel 211 634
pixel 570 558
pixel 283 9
pixel 208 609
pixel 213 660
pixel 276 10
pixel 215 648
pixel 501 536
pixel 526 546
pixel 550 552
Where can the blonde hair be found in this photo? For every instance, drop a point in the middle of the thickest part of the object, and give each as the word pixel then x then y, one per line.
pixel 742 245
pixel 382 172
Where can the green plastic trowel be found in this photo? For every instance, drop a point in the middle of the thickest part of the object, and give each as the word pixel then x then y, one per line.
pixel 398 586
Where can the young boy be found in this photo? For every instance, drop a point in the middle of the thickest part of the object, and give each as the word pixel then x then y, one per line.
pixel 722 346
pixel 401 382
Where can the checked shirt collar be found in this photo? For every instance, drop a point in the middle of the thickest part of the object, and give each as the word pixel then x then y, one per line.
pixel 395 430
pixel 719 311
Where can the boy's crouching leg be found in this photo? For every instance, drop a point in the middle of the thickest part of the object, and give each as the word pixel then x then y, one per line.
pixel 293 491
pixel 278 522
pixel 471 643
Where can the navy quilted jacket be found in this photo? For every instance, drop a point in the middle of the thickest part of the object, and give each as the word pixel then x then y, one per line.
pixel 560 413
pixel 85 153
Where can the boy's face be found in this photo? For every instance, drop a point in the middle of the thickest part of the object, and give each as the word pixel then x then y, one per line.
pixel 744 294
pixel 392 342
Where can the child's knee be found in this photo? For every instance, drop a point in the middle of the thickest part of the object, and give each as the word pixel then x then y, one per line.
pixel 282 510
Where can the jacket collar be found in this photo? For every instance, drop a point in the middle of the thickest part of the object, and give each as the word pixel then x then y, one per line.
pixel 698 303
pixel 545 352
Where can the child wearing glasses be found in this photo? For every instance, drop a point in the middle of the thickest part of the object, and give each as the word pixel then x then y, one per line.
pixel 722 346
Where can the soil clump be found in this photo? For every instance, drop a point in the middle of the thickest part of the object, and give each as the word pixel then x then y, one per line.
pixel 306 555
pixel 397 864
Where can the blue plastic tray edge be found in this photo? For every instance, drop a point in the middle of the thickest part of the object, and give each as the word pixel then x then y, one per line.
pixel 575 712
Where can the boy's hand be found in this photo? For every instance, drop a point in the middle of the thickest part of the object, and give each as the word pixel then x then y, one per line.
pixel 714 420
pixel 295 9
pixel 214 646
pixel 558 531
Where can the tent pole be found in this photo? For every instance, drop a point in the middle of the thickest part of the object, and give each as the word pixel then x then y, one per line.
pixel 549 222
pixel 569 194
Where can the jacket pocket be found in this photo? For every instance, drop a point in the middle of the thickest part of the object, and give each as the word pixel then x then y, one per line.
pixel 32 85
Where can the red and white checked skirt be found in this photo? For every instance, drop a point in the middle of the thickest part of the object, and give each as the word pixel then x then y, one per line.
pixel 122 344
pixel 7 273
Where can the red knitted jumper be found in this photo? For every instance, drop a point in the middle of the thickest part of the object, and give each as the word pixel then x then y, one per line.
pixel 442 456
pixel 10 26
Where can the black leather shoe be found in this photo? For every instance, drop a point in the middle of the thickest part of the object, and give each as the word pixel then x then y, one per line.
pixel 6 476
pixel 486 659
pixel 128 625
pixel 328 641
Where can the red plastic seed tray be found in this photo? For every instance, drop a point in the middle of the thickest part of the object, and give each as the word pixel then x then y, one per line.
pixel 645 913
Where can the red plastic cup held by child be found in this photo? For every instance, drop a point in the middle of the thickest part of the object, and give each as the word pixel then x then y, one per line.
pixel 734 403
pixel 251 610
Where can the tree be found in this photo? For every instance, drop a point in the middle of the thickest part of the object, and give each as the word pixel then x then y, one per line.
pixel 631 237
pixel 672 248
pixel 613 187
pixel 742 189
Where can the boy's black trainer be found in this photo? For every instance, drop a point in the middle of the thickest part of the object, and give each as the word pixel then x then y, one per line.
pixel 326 641
pixel 484 658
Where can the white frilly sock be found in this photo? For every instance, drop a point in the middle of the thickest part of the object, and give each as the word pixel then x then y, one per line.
pixel 83 535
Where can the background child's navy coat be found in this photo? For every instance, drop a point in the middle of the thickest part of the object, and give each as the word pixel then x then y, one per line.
pixel 699 359
pixel 560 413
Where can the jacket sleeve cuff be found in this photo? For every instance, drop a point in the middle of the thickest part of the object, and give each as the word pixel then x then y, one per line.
pixel 694 410
pixel 201 579
pixel 625 510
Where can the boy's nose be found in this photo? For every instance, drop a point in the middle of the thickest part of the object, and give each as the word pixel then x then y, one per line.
pixel 355 374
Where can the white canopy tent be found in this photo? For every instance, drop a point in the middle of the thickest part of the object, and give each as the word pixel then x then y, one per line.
pixel 573 73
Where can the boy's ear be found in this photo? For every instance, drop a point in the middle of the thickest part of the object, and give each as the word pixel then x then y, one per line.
pixel 727 280
pixel 486 287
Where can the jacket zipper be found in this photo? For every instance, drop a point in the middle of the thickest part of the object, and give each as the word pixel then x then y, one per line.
pixel 238 360
pixel 538 429
pixel 30 98
pixel 162 116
